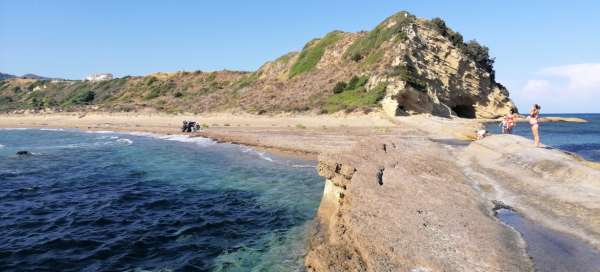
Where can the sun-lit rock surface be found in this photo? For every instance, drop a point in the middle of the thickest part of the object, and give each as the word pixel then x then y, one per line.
pixel 406 205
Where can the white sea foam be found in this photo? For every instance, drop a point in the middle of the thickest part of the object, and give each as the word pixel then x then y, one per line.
pixel 99 131
pixel 14 128
pixel 187 139
pixel 52 129
pixel 144 134
pixel 175 137
pixel 302 166
pixel 1 146
pixel 261 155
pixel 125 141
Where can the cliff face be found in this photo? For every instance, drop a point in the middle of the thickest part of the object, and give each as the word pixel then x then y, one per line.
pixel 405 205
pixel 406 65
pixel 423 67
pixel 402 203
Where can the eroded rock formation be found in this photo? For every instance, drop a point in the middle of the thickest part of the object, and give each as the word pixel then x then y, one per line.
pixel 405 205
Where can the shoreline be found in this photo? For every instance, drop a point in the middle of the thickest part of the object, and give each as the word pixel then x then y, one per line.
pixel 417 148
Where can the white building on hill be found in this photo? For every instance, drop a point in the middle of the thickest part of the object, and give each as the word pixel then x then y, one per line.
pixel 99 77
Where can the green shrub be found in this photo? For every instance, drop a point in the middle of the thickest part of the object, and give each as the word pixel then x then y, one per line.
pixel 212 76
pixel 409 74
pixel 159 87
pixel 82 97
pixel 354 83
pixel 480 54
pixel 357 82
pixel 248 80
pixel 312 53
pixel 150 80
pixel 340 87
pixel 356 57
pixel 474 50
pixel 353 99
pixel 178 94
pixel 382 33
pixel 373 58
pixel 439 25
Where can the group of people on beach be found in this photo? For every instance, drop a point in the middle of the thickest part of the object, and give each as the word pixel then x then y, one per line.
pixel 509 123
pixel 190 126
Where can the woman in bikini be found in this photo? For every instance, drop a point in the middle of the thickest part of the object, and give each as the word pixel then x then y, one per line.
pixel 533 121
pixel 508 123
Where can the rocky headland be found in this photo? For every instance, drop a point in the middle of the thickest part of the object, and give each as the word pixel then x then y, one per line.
pixel 390 114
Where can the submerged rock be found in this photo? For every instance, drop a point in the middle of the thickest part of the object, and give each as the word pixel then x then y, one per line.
pixel 24 153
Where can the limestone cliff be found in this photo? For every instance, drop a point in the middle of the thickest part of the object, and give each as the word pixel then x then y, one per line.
pixel 406 65
pixel 405 205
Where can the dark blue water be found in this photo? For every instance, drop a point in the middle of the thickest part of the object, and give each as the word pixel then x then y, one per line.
pixel 118 202
pixel 580 138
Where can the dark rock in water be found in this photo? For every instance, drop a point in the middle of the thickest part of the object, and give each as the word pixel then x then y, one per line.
pixel 23 153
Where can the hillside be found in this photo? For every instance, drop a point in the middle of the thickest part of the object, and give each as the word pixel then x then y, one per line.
pixel 6 76
pixel 405 65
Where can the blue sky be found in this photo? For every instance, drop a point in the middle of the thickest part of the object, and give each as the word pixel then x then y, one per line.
pixel 546 51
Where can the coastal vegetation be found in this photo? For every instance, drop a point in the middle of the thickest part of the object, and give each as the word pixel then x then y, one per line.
pixel 477 52
pixel 392 27
pixel 352 95
pixel 402 48
pixel 312 53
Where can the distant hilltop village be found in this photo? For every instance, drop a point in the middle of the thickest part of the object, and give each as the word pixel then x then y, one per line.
pixel 99 77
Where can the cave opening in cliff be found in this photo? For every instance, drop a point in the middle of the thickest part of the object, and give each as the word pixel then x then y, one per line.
pixel 464 111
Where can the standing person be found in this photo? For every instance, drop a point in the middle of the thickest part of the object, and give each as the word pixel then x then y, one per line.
pixel 508 123
pixel 534 114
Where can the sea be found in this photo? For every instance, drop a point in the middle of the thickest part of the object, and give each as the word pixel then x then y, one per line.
pixel 107 201
pixel 580 138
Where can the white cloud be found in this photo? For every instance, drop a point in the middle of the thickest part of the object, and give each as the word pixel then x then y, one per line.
pixel 568 88
pixel 536 85
pixel 580 76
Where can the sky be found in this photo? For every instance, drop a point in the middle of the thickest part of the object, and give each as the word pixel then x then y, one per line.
pixel 547 52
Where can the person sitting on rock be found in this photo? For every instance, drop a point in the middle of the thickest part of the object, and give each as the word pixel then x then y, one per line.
pixel 482 133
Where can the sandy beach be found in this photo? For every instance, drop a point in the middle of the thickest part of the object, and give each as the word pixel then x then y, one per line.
pixel 299 135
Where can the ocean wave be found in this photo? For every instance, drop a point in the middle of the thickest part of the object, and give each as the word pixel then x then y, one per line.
pixel 175 137
pixel 262 155
pixel 125 141
pixel 52 129
pixel 107 137
pixel 187 139
pixel 14 128
pixel 302 166
pixel 99 131
pixel 2 146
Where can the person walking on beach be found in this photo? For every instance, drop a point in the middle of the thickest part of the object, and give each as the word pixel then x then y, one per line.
pixel 533 121
pixel 508 123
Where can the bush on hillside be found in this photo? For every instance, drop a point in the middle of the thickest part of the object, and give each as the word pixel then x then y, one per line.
pixel 480 54
pixel 340 87
pixel 312 53
pixel 352 99
pixel 382 33
pixel 475 51
pixel 409 74
pixel 82 97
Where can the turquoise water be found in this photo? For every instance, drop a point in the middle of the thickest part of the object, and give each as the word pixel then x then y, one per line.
pixel 121 202
pixel 580 138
